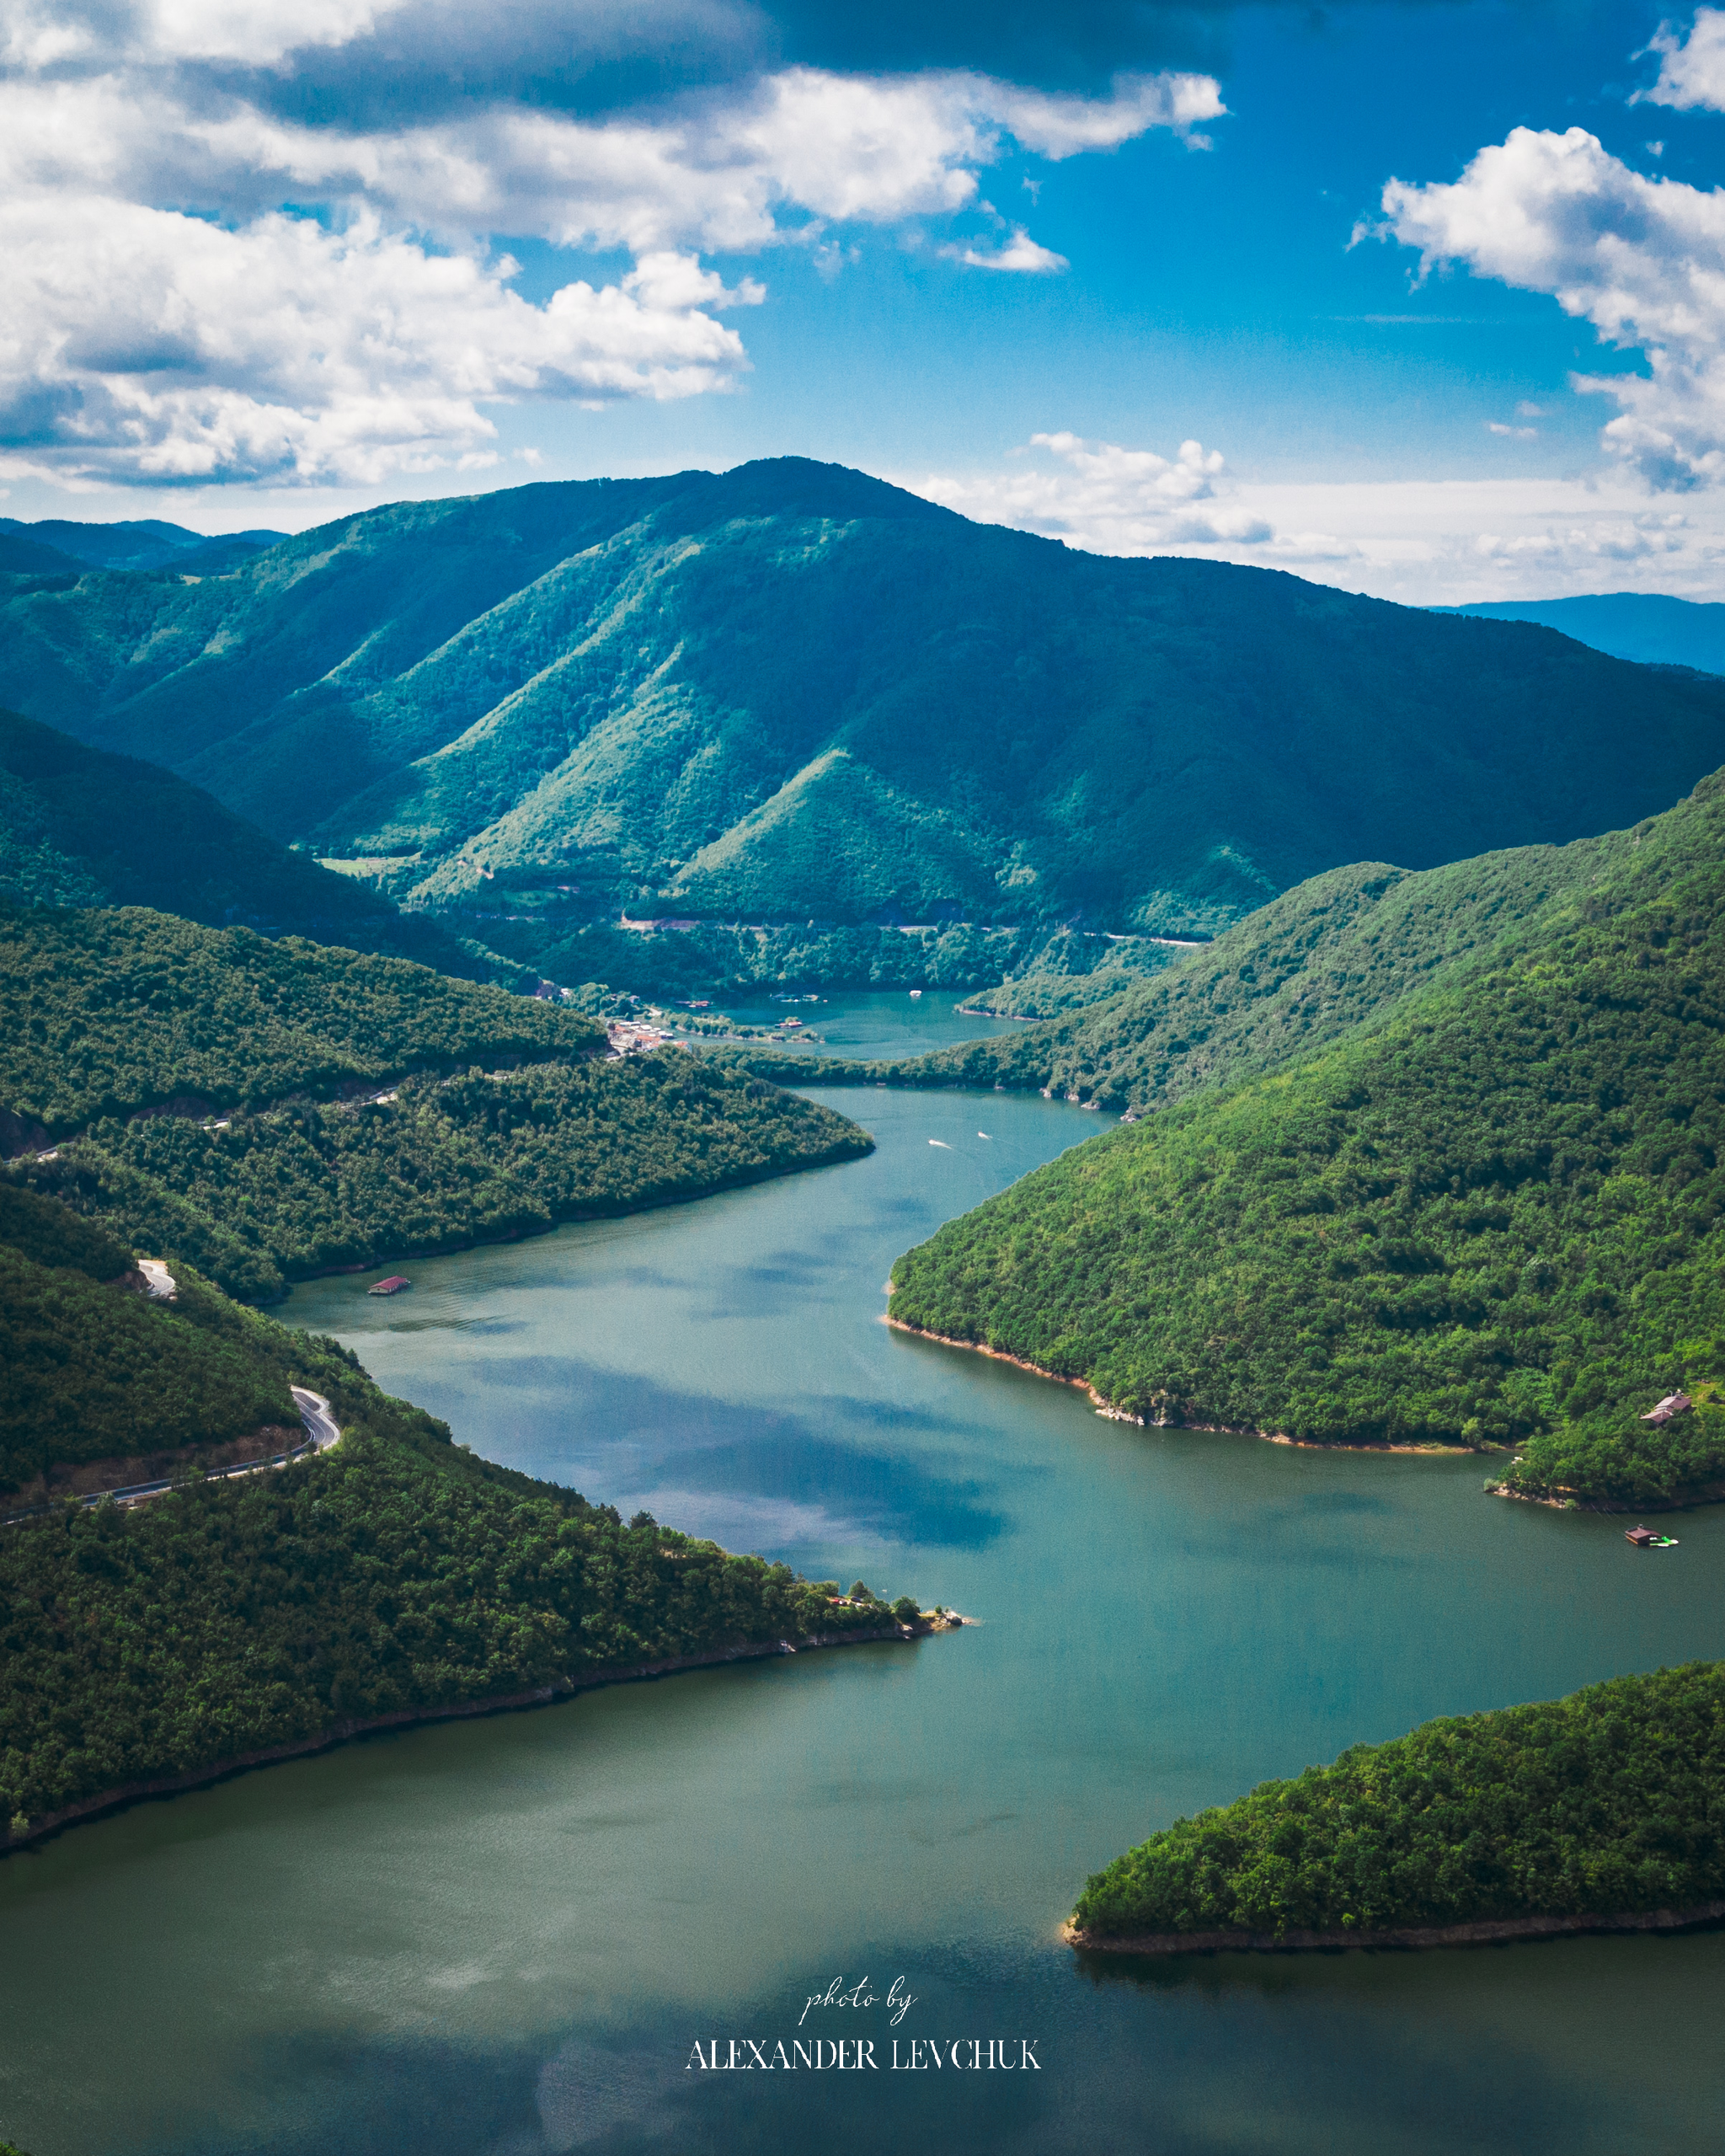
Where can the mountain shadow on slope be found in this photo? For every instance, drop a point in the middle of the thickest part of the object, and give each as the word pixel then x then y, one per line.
pixel 81 828
pixel 790 692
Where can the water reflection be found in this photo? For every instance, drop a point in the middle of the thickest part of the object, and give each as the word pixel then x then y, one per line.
pixel 501 1937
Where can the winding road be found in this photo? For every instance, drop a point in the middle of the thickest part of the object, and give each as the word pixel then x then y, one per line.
pixel 321 1432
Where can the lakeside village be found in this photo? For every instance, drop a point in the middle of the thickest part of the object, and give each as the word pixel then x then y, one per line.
pixel 633 1035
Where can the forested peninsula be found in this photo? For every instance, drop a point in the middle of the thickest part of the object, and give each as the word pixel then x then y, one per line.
pixel 1487 1214
pixel 394 1578
pixel 265 1111
pixel 1603 1810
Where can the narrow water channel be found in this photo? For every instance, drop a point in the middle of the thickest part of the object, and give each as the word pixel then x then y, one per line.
pixel 504 1938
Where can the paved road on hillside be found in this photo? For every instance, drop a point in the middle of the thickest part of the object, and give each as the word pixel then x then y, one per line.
pixel 321 1432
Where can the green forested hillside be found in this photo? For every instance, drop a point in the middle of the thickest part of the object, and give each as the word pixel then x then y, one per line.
pixel 80 827
pixel 1340 951
pixel 790 693
pixel 395 1574
pixel 107 1011
pixel 1493 1217
pixel 1609 1802
pixel 94 1370
pixel 257 1200
pixel 135 542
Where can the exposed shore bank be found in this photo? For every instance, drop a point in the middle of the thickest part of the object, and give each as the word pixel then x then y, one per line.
pixel 347 1731
pixel 1712 1493
pixel 1489 1932
pixel 1119 1415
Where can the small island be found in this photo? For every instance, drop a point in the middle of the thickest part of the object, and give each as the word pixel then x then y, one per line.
pixel 1602 1811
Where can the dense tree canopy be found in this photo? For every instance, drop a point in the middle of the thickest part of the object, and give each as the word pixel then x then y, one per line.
pixel 1609 1802
pixel 1493 1217
pixel 790 692
pixel 96 1371
pixel 107 1011
pixel 258 1199
pixel 80 827
pixel 397 1573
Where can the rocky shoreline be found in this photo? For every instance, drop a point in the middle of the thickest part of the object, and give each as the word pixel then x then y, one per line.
pixel 543 1695
pixel 1712 1493
pixel 1104 1407
pixel 1486 1933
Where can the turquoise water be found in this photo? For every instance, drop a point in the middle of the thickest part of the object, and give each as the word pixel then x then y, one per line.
pixel 504 1938
pixel 880 1022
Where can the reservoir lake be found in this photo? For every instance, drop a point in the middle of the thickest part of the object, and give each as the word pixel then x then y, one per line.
pixel 506 1936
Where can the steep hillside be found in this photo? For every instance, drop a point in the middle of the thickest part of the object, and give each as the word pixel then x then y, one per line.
pixel 257 1200
pixel 81 828
pixel 1493 1217
pixel 791 694
pixel 123 1033
pixel 106 1012
pixel 95 1370
pixel 1339 951
pixel 1605 1804
pixel 393 1577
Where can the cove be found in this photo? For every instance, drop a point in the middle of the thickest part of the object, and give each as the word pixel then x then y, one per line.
pixel 506 1937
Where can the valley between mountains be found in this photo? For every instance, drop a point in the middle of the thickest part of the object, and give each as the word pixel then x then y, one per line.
pixel 1394 941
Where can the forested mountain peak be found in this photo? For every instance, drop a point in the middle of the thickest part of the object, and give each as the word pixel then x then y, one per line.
pixel 792 692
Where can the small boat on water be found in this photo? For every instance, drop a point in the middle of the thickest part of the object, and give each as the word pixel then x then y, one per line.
pixel 1645 1538
pixel 392 1286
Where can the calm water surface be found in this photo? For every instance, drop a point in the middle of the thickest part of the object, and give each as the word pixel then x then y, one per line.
pixel 504 1938
pixel 882 1022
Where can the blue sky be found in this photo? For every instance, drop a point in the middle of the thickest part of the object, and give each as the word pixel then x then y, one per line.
pixel 273 261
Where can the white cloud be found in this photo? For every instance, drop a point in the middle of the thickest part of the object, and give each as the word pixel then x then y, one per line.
pixel 149 345
pixel 1426 542
pixel 396 322
pixel 1062 126
pixel 255 33
pixel 1514 433
pixel 258 32
pixel 1020 252
pixel 1642 260
pixel 1692 72
pixel 1109 499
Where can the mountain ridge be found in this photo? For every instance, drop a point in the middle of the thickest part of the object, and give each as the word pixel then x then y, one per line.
pixel 80 827
pixel 791 692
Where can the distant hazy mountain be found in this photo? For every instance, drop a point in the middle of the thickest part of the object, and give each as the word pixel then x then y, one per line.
pixel 1645 626
pixel 142 545
pixel 792 692
pixel 79 827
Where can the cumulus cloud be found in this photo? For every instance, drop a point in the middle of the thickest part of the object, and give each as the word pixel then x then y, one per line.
pixel 1019 252
pixel 1426 542
pixel 1109 500
pixel 1692 69
pixel 164 315
pixel 1641 260
pixel 152 346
